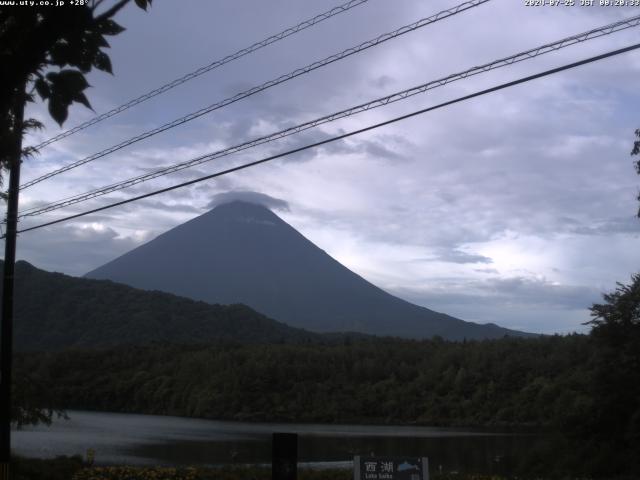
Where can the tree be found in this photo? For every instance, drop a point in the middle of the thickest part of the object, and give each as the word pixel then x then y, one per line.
pixel 615 419
pixel 48 50
pixel 45 50
pixel 636 151
pixel 612 422
pixel 621 310
pixel 32 402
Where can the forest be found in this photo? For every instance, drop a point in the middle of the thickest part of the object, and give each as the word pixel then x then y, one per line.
pixel 584 387
pixel 548 384
pixel 55 311
pixel 512 382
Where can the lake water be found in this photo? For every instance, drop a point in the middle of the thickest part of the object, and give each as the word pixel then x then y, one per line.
pixel 148 439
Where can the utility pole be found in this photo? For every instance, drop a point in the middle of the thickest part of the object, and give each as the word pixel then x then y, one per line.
pixel 6 328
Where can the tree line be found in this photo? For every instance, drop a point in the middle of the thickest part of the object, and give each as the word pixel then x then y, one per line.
pixel 542 383
pixel 575 386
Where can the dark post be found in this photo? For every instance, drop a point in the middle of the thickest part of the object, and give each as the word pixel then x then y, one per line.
pixel 6 329
pixel 284 456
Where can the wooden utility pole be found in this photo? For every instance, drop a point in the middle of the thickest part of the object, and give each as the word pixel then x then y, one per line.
pixel 6 328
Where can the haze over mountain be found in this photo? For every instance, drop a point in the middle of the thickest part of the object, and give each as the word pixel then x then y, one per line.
pixel 242 252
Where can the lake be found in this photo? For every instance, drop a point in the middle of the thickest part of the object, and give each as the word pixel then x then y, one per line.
pixel 147 439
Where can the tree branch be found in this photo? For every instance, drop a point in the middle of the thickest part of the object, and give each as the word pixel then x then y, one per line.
pixel 96 4
pixel 113 10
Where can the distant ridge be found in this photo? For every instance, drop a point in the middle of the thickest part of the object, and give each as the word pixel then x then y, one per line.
pixel 55 311
pixel 241 252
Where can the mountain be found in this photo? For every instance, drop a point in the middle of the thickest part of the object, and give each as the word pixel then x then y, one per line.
pixel 241 252
pixel 55 311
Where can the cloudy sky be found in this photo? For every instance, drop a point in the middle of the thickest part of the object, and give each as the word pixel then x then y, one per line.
pixel 515 208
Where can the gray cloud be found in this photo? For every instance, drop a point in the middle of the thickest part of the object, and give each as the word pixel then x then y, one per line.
pixel 377 150
pixel 546 164
pixel 458 256
pixel 521 303
pixel 605 226
pixel 486 270
pixel 522 291
pixel 309 137
pixel 78 249
pixel 455 255
pixel 382 81
pixel 252 197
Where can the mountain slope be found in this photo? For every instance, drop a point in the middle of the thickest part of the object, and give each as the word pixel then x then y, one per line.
pixel 243 253
pixel 55 311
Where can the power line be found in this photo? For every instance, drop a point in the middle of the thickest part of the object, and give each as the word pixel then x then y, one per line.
pixel 526 55
pixel 207 68
pixel 343 136
pixel 271 83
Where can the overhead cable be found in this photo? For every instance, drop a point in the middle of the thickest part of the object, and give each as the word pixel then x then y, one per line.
pixel 340 137
pixel 395 97
pixel 207 68
pixel 271 83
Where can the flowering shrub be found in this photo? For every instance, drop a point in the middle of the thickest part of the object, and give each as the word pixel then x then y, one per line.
pixel 136 473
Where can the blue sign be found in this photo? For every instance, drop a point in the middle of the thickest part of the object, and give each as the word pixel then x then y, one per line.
pixel 390 468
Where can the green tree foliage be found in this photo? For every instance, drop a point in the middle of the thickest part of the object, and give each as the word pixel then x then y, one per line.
pixel 49 50
pixel 540 384
pixel 31 402
pixel 620 314
pixel 508 382
pixel 636 151
pixel 614 419
pixel 55 311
